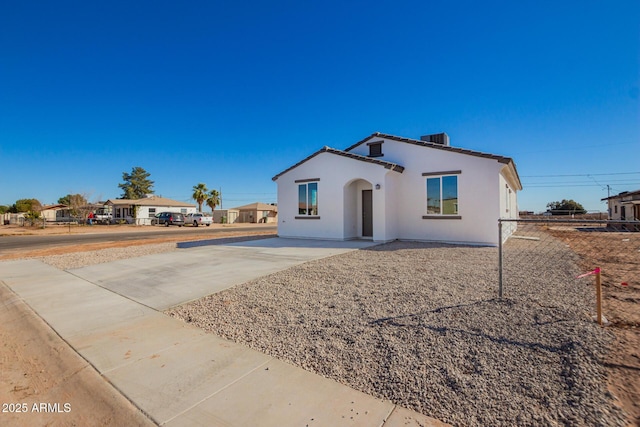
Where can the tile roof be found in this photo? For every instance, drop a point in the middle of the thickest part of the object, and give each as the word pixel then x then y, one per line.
pixel 623 194
pixel 386 165
pixel 257 207
pixel 150 201
pixel 501 159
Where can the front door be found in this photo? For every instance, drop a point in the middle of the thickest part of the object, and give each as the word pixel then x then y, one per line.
pixel 367 213
pixel 623 213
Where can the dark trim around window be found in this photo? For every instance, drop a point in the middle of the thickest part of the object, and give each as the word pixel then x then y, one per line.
pixel 441 216
pixel 307 217
pixel 441 173
pixel 297 181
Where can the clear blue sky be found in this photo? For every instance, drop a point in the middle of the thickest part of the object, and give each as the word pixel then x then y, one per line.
pixel 232 93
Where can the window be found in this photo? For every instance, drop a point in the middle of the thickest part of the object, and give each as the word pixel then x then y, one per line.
pixel 308 198
pixel 152 212
pixel 442 195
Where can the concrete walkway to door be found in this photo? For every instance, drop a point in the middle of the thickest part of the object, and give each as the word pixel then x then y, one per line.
pixel 175 373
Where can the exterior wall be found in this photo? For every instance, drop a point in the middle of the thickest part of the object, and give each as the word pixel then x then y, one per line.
pixel 122 213
pixel 269 217
pixel 257 216
pixel 508 200
pixel 508 208
pixel 339 198
pixel 49 214
pixel 478 194
pixel 144 214
pixel 400 203
pixel 393 206
pixel 231 216
pixel 631 211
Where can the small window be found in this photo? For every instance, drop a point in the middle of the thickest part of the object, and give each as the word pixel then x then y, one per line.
pixel 308 199
pixel 615 209
pixel 183 211
pixel 442 195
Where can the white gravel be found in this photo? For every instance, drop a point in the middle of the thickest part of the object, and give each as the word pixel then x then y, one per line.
pixel 419 324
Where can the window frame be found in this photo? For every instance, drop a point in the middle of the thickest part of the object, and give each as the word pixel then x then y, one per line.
pixel 311 209
pixel 440 176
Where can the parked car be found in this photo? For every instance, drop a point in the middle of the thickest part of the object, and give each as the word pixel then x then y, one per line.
pixel 169 218
pixel 102 216
pixel 197 219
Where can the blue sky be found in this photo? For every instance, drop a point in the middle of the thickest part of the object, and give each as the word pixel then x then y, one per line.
pixel 232 93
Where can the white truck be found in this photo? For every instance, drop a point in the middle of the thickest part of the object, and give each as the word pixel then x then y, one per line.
pixel 197 219
pixel 103 216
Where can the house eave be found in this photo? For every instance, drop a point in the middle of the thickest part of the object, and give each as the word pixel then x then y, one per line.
pixel 387 165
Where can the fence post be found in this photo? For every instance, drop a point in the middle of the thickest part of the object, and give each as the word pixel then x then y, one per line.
pixel 500 258
pixel 598 296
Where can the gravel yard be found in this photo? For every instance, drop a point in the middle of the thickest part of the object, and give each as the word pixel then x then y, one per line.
pixel 82 259
pixel 419 324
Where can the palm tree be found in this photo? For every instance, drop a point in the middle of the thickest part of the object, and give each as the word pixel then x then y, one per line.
pixel 213 200
pixel 200 194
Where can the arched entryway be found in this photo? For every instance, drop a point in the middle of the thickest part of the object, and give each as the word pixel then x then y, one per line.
pixel 358 209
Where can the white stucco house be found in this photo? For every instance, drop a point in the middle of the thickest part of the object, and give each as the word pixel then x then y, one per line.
pixel 387 187
pixel 142 211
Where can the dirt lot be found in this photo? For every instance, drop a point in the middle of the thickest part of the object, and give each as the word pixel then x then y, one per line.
pixel 44 381
pixel 618 255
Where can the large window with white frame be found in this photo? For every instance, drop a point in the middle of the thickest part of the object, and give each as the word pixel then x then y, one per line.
pixel 308 199
pixel 442 194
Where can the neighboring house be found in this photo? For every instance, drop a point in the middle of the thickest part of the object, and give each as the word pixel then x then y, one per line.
pixel 387 187
pixel 141 211
pixel 257 213
pixel 230 216
pixel 624 206
pixel 52 213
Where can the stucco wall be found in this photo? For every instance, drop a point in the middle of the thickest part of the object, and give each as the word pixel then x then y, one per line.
pixel 335 172
pixel 143 217
pixel 478 193
pixel 400 203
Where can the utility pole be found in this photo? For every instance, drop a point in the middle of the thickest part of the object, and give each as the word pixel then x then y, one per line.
pixel 220 197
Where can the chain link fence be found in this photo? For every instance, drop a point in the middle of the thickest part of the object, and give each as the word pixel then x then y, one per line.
pixel 551 253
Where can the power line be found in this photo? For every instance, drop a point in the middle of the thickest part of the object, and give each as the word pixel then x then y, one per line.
pixel 576 185
pixel 573 148
pixel 582 174
pixel 616 181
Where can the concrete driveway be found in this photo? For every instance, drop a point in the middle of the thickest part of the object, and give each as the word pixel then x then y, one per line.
pixel 202 268
pixel 177 374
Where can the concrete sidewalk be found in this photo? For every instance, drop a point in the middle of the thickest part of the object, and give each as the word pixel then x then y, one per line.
pixel 179 375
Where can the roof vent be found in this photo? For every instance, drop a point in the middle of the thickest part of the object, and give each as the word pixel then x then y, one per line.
pixel 436 138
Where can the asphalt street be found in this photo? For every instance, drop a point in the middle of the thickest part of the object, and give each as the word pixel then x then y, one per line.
pixel 9 243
